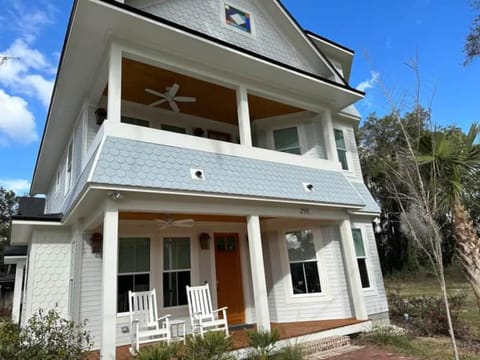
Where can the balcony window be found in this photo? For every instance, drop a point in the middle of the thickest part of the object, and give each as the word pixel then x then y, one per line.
pixel 286 140
pixel 341 148
pixel 173 128
pixel 133 121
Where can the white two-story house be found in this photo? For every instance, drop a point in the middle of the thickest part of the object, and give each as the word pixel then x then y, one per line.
pixel 197 141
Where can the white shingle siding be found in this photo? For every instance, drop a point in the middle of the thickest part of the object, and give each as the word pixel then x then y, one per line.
pixel 206 16
pixel 48 279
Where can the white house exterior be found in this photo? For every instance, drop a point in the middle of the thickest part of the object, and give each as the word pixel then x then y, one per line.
pixel 255 187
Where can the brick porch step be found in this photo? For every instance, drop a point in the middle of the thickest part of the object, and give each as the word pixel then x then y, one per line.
pixel 312 349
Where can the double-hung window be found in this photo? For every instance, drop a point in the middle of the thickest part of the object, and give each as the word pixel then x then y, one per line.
pixel 303 262
pixel 361 257
pixel 287 140
pixel 68 168
pixel 341 148
pixel 133 268
pixel 176 271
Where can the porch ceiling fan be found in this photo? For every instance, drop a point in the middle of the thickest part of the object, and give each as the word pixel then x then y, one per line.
pixel 170 96
pixel 170 222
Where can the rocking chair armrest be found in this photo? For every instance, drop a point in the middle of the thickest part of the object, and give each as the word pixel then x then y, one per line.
pixel 164 317
pixel 221 309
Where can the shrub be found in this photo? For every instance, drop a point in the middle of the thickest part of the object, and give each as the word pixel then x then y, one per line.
pixel 263 343
pixel 213 346
pixel 425 315
pixel 160 352
pixel 46 336
pixel 292 352
pixel 388 336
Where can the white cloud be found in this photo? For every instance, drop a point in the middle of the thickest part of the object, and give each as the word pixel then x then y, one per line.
pixel 19 186
pixel 17 123
pixel 370 83
pixel 29 21
pixel 23 73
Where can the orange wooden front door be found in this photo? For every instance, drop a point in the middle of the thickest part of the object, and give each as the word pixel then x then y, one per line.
pixel 229 277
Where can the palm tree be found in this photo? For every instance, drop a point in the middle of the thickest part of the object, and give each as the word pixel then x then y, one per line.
pixel 454 174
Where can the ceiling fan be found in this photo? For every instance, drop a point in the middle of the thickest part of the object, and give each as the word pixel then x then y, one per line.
pixel 170 96
pixel 170 222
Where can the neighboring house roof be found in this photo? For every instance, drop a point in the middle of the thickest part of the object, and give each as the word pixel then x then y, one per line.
pixel 135 163
pixel 15 251
pixel 31 208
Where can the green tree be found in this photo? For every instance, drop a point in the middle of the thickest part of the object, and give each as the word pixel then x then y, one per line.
pixel 472 43
pixel 452 161
pixel 8 204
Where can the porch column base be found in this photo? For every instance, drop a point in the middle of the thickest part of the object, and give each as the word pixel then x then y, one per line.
pixel 258 273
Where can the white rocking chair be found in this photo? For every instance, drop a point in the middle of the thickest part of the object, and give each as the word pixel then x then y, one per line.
pixel 202 316
pixel 146 326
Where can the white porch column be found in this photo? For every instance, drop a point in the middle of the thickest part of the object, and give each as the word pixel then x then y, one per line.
pixel 243 111
pixel 17 291
pixel 351 267
pixel 258 273
pixel 114 107
pixel 328 136
pixel 109 281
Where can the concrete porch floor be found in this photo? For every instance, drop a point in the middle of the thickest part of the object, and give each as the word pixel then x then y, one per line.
pixel 287 331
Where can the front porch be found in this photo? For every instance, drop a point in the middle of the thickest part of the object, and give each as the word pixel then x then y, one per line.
pixel 291 333
pixel 251 262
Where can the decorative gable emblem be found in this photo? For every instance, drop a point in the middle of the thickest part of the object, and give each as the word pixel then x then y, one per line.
pixel 238 19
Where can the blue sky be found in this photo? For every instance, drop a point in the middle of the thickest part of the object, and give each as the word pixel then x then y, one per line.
pixel 384 34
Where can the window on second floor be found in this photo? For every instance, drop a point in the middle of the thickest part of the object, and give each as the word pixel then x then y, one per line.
pixel 287 140
pixel 68 167
pixel 341 148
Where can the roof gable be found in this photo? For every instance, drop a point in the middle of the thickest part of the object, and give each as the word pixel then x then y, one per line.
pixel 274 33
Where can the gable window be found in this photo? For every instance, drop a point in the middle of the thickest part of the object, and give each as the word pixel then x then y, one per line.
pixel 68 168
pixel 176 271
pixel 238 19
pixel 341 148
pixel 286 140
pixel 303 262
pixel 361 257
pixel 133 268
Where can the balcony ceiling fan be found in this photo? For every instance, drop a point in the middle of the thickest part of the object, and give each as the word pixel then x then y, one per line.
pixel 170 96
pixel 170 222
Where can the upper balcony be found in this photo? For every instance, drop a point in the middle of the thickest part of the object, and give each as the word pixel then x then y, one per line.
pixel 159 105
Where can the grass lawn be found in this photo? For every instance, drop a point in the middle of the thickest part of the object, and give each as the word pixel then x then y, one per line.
pixel 436 348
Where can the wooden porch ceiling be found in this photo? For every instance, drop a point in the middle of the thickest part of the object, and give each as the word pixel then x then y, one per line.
pixel 213 101
pixel 136 216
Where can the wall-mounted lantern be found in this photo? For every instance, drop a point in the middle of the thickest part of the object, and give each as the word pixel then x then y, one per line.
pixel 96 242
pixel 204 240
pixel 101 115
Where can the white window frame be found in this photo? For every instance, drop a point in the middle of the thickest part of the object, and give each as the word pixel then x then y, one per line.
pixel 69 167
pixel 163 271
pixel 290 297
pixel 349 165
pixel 119 314
pixel 368 262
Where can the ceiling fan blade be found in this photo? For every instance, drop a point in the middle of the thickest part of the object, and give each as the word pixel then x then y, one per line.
pixel 184 222
pixel 185 99
pixel 173 90
pixel 183 225
pixel 158 102
pixel 174 106
pixel 156 93
pixel 163 222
